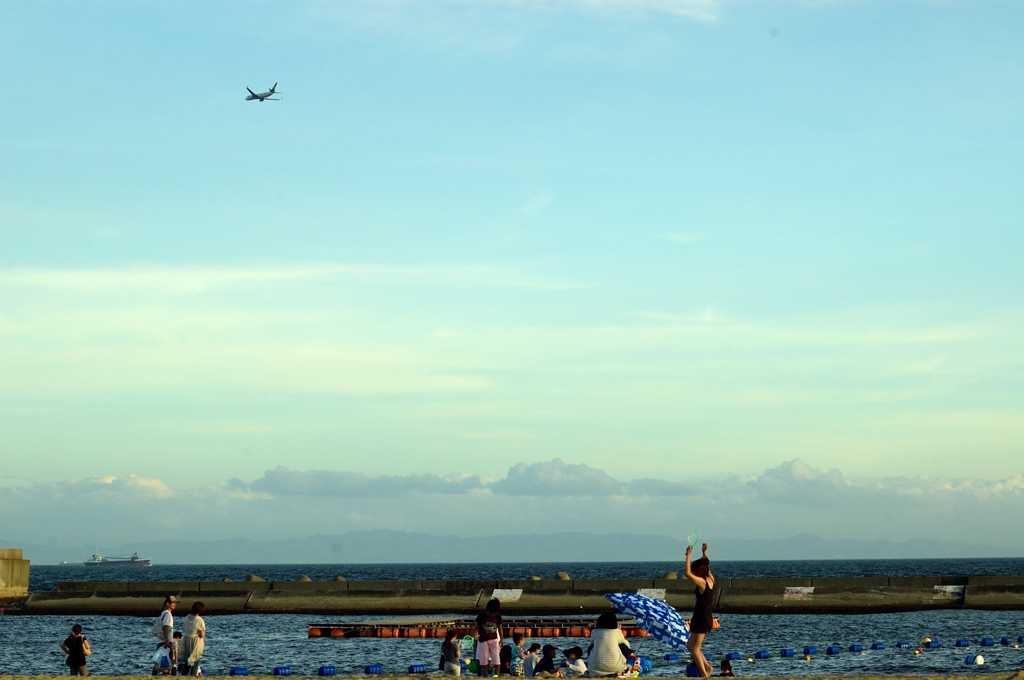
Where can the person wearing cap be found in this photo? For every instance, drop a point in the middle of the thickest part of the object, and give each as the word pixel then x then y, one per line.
pixel 164 629
pixel 545 668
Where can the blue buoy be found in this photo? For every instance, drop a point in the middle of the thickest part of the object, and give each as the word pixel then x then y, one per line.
pixel 283 670
pixel 1004 640
pixel 761 654
pixel 325 671
pixel 418 669
pixel 987 642
pixel 963 643
pixel 856 647
pixel 732 656
pixel 1020 638
pixel 810 651
pixel 238 670
pixel 932 644
pixel 374 669
pixel 832 650
pixel 902 644
pixel 877 645
pixel 691 670
pixel 787 653
pixel 671 657
pixel 971 658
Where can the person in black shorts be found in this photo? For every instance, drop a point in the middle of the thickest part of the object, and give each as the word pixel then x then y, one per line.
pixel 703 618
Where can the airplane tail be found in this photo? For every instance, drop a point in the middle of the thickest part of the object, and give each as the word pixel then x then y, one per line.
pixel 274 88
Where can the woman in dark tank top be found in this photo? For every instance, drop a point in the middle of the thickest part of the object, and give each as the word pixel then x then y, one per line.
pixel 703 618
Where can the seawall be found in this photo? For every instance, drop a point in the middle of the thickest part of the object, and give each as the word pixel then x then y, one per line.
pixel 532 597
pixel 13 576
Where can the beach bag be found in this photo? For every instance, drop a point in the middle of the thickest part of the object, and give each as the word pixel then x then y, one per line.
pixel 162 657
pixel 158 629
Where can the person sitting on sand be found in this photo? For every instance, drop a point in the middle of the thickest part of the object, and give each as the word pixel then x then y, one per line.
pixel 703 618
pixel 531 659
pixel 607 642
pixel 546 668
pixel 573 666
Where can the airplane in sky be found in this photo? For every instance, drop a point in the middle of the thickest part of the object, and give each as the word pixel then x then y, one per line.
pixel 263 96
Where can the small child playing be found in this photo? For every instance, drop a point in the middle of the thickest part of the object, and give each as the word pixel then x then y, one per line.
pixel 516 664
pixel 177 647
pixel 573 666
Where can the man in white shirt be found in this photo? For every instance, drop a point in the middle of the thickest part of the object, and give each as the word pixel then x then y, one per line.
pixel 164 629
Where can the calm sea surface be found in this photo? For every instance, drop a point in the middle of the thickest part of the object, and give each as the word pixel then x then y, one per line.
pixel 122 645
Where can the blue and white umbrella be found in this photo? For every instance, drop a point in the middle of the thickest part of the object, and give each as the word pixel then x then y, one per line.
pixel 656 617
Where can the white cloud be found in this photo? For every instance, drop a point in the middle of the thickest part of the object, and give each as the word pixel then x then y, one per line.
pixel 284 482
pixel 556 478
pixel 545 497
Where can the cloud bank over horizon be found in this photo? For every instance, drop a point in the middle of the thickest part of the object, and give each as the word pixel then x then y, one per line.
pixel 543 497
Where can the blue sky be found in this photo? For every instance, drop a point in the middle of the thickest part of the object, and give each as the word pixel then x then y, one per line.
pixel 669 239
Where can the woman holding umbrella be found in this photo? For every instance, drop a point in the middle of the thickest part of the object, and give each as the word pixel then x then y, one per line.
pixel 703 619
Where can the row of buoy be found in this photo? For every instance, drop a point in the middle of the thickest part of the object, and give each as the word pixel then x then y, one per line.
pixel 834 650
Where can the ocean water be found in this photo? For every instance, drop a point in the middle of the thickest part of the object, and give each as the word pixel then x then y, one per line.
pixel 122 645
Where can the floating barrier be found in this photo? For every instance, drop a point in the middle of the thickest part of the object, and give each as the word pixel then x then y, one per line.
pixel 856 648
pixel 963 643
pixel 987 642
pixel 671 657
pixel 974 660
pixel 283 670
pixel 418 669
pixel 1004 640
pixel 832 650
pixel 902 644
pixel 238 670
pixel 787 653
pixel 1020 638
pixel 761 654
pixel 326 671
pixel 420 627
pixel 732 656
pixel 810 651
pixel 374 669
pixel 878 645
pixel 932 644
pixel 691 670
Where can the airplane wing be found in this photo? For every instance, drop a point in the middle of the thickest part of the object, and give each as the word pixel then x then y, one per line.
pixel 251 92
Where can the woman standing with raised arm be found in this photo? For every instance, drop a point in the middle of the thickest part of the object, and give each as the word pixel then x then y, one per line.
pixel 703 618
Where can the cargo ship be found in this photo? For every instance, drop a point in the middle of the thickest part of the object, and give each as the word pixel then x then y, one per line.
pixel 98 560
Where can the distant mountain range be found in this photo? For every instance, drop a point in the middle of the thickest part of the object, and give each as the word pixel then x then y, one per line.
pixel 376 547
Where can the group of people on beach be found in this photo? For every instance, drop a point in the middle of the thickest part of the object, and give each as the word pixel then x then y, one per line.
pixel 178 652
pixel 608 655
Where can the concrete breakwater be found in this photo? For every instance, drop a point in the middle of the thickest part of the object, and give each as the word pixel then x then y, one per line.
pixel 13 575
pixel 529 597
